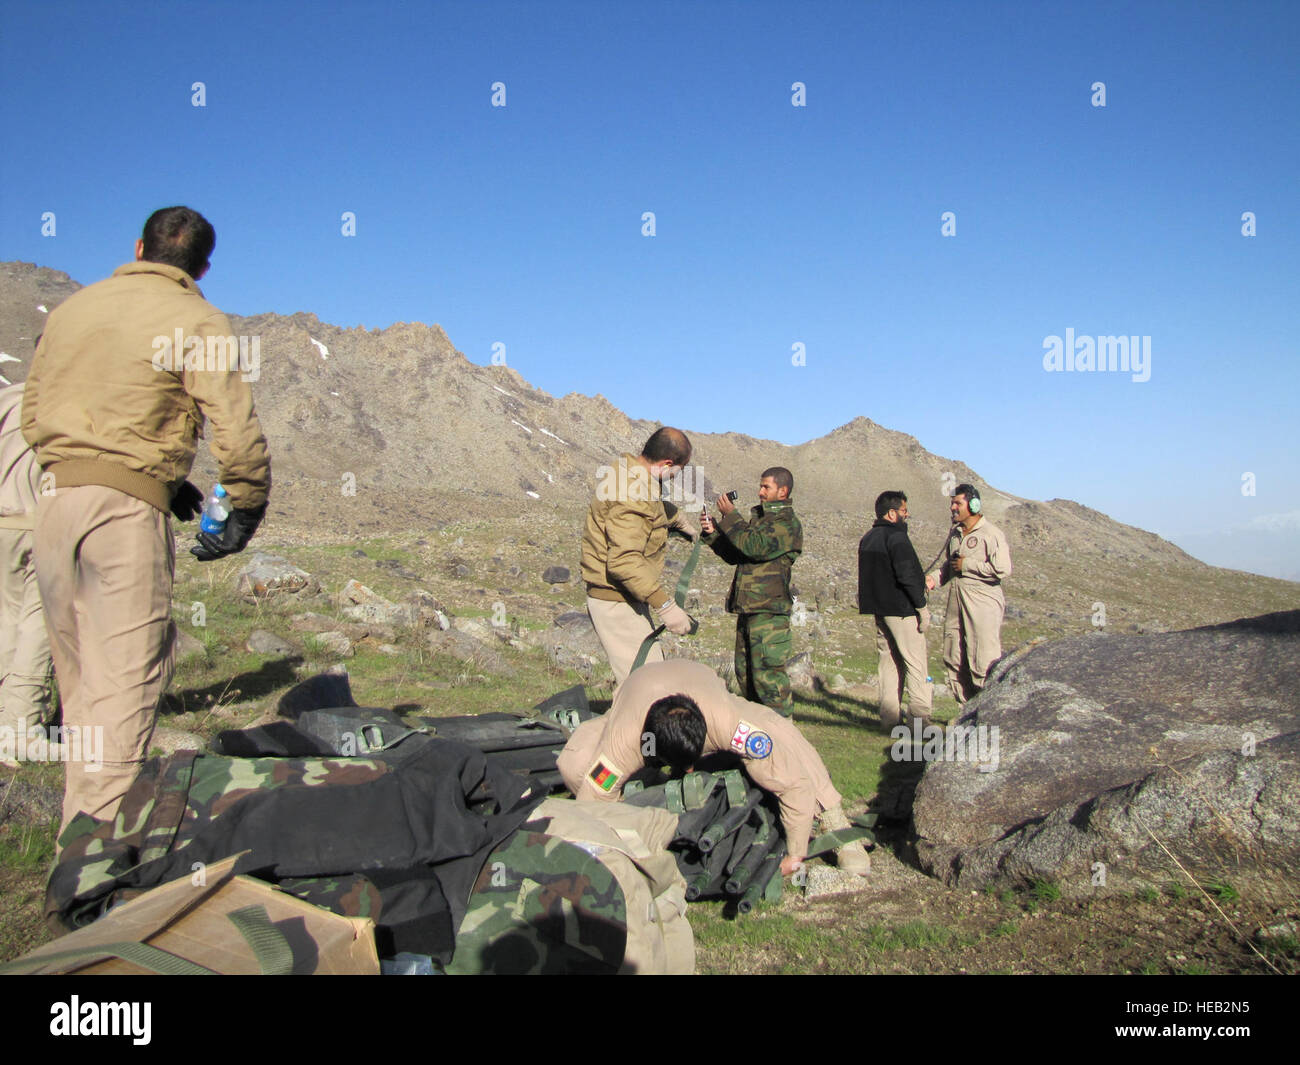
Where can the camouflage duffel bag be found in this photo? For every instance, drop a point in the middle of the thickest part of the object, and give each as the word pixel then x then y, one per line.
pixel 583 887
pixel 401 843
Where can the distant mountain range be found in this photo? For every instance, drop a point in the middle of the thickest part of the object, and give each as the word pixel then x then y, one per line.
pixel 423 435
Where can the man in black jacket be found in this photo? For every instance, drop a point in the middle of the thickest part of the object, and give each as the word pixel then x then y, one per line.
pixel 892 587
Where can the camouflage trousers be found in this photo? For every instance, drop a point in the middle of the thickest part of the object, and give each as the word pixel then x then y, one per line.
pixel 763 647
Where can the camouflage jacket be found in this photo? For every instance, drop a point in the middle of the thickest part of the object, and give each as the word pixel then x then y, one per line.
pixel 763 551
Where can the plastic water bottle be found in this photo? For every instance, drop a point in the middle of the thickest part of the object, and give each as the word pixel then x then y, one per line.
pixel 216 509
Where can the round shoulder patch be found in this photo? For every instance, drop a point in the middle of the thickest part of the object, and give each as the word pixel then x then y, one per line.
pixel 971 541
pixel 758 745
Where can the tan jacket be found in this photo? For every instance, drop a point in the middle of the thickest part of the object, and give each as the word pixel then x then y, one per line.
pixel 20 476
pixel 985 561
pixel 602 753
pixel 106 404
pixel 626 537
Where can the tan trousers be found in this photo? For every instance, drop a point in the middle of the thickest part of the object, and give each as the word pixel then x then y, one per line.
pixel 622 628
pixel 105 562
pixel 24 646
pixel 972 635
pixel 902 661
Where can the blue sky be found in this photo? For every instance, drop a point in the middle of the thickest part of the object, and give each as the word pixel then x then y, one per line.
pixel 775 225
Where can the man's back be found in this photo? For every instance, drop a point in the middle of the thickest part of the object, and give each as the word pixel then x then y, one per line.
pixel 125 373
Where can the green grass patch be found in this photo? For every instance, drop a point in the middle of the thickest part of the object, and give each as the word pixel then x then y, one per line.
pixel 1221 890
pixel 27 848
pixel 1044 890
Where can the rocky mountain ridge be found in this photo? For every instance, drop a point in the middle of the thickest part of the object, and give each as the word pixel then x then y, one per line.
pixel 386 431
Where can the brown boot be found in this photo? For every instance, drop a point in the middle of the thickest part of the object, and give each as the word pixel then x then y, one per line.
pixel 852 857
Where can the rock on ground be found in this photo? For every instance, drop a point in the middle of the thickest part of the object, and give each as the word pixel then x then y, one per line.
pixel 171 740
pixel 572 643
pixel 187 646
pixel 1119 757
pixel 267 576
pixel 261 642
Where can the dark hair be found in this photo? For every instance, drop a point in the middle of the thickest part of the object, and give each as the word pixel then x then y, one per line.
pixel 967 490
pixel 783 477
pixel 678 729
pixel 668 443
pixel 887 501
pixel 178 236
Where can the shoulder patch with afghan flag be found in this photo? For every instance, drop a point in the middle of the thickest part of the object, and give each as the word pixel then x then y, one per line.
pixel 751 742
pixel 605 775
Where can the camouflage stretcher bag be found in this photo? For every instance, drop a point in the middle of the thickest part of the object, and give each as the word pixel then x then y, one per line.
pixel 583 887
pixel 401 843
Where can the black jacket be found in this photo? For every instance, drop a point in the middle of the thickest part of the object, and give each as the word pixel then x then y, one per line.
pixel 890 581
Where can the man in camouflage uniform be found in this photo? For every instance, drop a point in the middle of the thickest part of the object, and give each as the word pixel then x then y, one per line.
pixel 763 551
pixel 976 563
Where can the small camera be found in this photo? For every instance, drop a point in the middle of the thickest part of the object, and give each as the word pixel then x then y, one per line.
pixel 732 496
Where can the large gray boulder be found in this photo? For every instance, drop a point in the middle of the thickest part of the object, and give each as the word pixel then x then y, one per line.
pixel 1118 758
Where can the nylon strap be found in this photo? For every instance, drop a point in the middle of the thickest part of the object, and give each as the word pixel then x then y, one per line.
pixel 833 841
pixel 368 746
pixel 269 946
pixel 679 597
pixel 141 954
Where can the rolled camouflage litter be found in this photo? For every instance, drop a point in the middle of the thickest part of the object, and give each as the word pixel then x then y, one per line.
pixel 729 841
pixel 727 830
pixel 729 822
pixel 767 876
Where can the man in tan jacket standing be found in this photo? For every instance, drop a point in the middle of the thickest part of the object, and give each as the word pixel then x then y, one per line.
pixel 977 561
pixel 123 379
pixel 623 549
pixel 24 646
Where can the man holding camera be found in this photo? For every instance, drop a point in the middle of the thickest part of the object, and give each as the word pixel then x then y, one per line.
pixel 763 550
pixel 892 587
pixel 116 434
pixel 976 562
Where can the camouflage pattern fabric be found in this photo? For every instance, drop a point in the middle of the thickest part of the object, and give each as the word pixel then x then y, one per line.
pixel 763 550
pixel 764 647
pixel 400 842
pixel 542 905
pixel 169 798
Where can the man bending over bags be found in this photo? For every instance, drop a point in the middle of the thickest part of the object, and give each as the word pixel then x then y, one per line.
pixel 687 711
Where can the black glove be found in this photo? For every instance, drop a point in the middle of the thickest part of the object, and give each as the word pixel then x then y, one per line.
pixel 187 503
pixel 239 529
